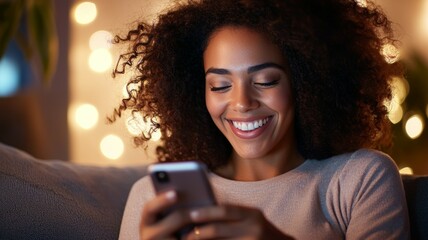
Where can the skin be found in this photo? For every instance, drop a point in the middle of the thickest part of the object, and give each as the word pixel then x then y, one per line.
pixel 246 81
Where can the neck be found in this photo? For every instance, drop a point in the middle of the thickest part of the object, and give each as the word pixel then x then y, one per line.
pixel 256 169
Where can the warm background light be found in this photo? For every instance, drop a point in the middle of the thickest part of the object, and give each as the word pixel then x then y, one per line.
pixel 395 113
pixel 100 39
pixel 406 171
pixel 100 60
pixel 85 13
pixel 136 126
pixel 112 147
pixel 414 126
pixel 86 116
pixel 92 57
pixel 91 60
pixel 400 89
pixel 390 53
pixel 362 3
pixel 424 19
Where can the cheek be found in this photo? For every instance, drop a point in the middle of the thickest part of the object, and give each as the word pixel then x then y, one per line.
pixel 281 100
pixel 212 105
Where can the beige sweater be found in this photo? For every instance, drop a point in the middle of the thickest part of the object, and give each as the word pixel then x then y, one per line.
pixel 351 196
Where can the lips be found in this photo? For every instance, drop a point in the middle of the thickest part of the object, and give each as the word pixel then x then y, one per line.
pixel 249 129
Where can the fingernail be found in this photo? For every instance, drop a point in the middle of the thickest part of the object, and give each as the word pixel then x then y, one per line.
pixel 170 195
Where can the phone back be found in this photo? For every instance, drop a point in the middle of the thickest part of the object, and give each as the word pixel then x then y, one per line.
pixel 188 179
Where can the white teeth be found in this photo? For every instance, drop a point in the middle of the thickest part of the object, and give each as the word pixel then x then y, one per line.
pixel 249 126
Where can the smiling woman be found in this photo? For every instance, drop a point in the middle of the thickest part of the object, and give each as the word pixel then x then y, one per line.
pixel 247 83
pixel 284 101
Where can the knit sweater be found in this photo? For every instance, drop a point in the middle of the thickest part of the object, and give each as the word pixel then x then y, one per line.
pixel 351 196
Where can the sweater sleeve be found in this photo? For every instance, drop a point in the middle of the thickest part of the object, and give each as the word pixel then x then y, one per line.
pixel 140 193
pixel 376 201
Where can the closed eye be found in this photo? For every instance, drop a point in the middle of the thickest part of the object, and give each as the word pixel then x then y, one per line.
pixel 219 89
pixel 267 84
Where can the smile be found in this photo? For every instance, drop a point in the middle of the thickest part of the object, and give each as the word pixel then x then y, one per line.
pixel 250 126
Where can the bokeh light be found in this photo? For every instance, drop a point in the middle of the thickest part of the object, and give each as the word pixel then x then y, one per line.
pixel 390 53
pixel 100 60
pixel 424 20
pixel 362 3
pixel 9 77
pixel 406 171
pixel 400 89
pixel 86 116
pixel 130 87
pixel 85 13
pixel 395 113
pixel 414 126
pixel 136 125
pixel 112 147
pixel 100 39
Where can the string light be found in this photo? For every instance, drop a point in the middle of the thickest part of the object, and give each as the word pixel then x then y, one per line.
pixel 112 147
pixel 414 126
pixel 400 90
pixel 361 3
pixel 136 125
pixel 85 13
pixel 100 60
pixel 390 53
pixel 406 171
pixel 86 116
pixel 100 39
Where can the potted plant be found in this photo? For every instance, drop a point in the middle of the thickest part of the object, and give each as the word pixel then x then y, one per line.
pixel 31 24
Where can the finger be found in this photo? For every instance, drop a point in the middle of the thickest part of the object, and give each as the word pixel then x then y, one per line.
pixel 155 206
pixel 220 213
pixel 167 226
pixel 175 221
pixel 215 231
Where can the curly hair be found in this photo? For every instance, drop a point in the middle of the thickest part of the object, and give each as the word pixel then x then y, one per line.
pixel 340 79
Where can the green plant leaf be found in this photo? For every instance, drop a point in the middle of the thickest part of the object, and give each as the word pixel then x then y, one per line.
pixel 10 16
pixel 42 33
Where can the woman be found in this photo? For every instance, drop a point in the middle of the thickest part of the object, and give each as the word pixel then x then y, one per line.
pixel 284 102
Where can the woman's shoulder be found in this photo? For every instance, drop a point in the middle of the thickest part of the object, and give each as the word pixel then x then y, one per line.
pixel 370 158
pixel 366 164
pixel 142 187
pixel 140 193
pixel 361 158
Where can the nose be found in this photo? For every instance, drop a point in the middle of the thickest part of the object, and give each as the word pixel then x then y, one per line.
pixel 244 99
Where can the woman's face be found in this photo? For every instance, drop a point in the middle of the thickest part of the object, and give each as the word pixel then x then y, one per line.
pixel 248 93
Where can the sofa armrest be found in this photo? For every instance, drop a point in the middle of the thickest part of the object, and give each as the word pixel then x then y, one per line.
pixel 59 200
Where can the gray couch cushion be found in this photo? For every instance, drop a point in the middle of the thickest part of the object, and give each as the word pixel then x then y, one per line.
pixel 58 200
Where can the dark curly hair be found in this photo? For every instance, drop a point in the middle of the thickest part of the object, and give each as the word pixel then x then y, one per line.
pixel 339 77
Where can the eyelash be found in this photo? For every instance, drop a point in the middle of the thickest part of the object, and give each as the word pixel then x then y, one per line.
pixel 218 89
pixel 267 84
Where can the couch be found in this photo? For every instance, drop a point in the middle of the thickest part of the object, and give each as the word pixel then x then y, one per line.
pixel 54 199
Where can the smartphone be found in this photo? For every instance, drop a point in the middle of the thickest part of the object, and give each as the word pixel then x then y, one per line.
pixel 189 180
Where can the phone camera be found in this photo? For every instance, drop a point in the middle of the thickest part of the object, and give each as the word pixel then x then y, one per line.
pixel 162 176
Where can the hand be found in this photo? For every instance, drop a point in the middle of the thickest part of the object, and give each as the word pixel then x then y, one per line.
pixel 227 222
pixel 152 228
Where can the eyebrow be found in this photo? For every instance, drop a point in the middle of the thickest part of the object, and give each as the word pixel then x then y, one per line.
pixel 255 68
